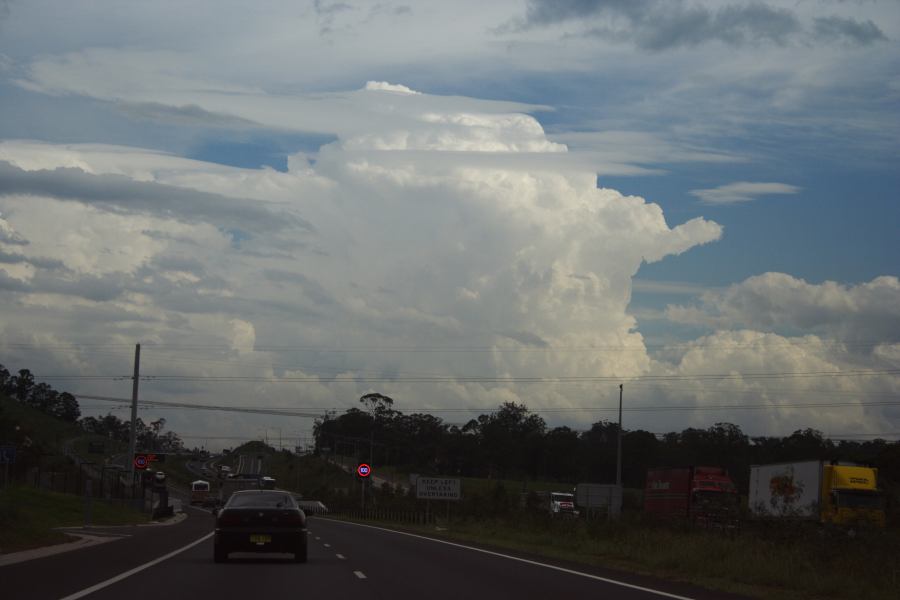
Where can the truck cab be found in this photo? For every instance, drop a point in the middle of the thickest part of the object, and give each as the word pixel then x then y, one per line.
pixel 850 496
pixel 562 503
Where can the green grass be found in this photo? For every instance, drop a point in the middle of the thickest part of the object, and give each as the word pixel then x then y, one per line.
pixel 800 564
pixel 28 517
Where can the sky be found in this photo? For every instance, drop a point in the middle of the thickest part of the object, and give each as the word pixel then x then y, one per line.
pixel 291 204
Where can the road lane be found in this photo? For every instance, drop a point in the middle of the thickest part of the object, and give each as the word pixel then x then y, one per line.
pixel 346 561
pixel 60 575
pixel 403 566
pixel 193 574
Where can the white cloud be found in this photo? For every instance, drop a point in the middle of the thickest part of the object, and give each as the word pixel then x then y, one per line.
pixel 388 238
pixel 742 191
pixel 780 302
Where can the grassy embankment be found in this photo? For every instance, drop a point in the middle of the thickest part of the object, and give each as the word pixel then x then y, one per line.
pixel 28 517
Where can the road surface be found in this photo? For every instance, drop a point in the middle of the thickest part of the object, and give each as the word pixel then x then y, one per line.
pixel 345 561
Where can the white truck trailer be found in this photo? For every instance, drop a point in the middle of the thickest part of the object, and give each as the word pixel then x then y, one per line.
pixel 842 494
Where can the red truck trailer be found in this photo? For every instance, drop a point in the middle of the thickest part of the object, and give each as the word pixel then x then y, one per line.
pixel 705 495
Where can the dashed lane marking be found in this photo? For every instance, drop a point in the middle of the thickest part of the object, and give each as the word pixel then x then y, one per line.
pixel 360 574
pixel 519 559
pixel 341 556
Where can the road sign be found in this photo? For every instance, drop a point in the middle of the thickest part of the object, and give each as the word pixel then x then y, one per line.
pixel 7 455
pixel 437 488
pixel 141 461
pixel 363 470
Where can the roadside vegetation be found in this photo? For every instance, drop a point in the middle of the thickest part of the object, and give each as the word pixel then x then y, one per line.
pixel 29 516
pixel 773 561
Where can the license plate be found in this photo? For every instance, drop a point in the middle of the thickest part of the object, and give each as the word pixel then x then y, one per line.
pixel 260 539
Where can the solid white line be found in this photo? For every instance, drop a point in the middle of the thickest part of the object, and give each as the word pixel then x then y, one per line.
pixel 524 560
pixel 359 574
pixel 126 574
pixel 340 556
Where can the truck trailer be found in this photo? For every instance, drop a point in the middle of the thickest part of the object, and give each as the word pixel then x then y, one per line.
pixel 704 495
pixel 836 493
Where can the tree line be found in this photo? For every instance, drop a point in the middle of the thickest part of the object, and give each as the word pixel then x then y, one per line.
pixel 512 442
pixel 23 388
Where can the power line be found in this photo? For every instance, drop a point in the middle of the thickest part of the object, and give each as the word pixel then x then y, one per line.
pixel 487 379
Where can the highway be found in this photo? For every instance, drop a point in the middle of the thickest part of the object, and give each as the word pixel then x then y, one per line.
pixel 345 561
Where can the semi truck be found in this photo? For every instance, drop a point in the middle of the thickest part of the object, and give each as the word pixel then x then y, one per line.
pixel 704 495
pixel 829 492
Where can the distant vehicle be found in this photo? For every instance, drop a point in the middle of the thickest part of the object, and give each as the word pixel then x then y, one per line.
pixel 224 471
pixel 159 476
pixel 236 484
pixel 840 494
pixel 704 495
pixel 245 476
pixel 267 483
pixel 200 492
pixel 556 503
pixel 260 521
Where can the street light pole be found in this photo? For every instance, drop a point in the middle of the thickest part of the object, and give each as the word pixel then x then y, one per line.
pixel 619 443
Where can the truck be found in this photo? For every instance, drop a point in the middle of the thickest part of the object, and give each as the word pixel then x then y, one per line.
pixel 555 503
pixel 843 494
pixel 705 495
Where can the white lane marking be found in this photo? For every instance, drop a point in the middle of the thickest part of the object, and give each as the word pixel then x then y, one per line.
pixel 318 538
pixel 328 545
pixel 524 560
pixel 341 556
pixel 126 574
pixel 360 574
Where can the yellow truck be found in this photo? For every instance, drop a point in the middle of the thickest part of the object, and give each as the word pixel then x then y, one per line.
pixel 829 492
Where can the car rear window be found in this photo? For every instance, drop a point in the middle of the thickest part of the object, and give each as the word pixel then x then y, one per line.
pixel 262 500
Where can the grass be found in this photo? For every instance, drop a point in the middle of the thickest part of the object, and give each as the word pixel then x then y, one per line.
pixel 794 564
pixel 28 517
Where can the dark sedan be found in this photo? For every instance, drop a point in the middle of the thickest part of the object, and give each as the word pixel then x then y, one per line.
pixel 260 521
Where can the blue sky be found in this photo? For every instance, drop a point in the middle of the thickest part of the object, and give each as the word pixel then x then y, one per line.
pixel 357 179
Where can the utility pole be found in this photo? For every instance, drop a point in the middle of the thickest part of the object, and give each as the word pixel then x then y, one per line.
pixel 132 439
pixel 619 443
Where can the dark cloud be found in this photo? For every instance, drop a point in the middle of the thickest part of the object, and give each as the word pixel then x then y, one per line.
pixel 39 262
pixel 180 263
pixel 659 25
pixel 526 338
pixel 117 193
pixel 190 114
pixel 851 30
pixel 311 289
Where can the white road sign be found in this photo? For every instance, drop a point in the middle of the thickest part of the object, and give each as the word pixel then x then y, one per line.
pixel 437 488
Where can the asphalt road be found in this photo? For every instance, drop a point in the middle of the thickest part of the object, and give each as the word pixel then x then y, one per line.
pixel 345 561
